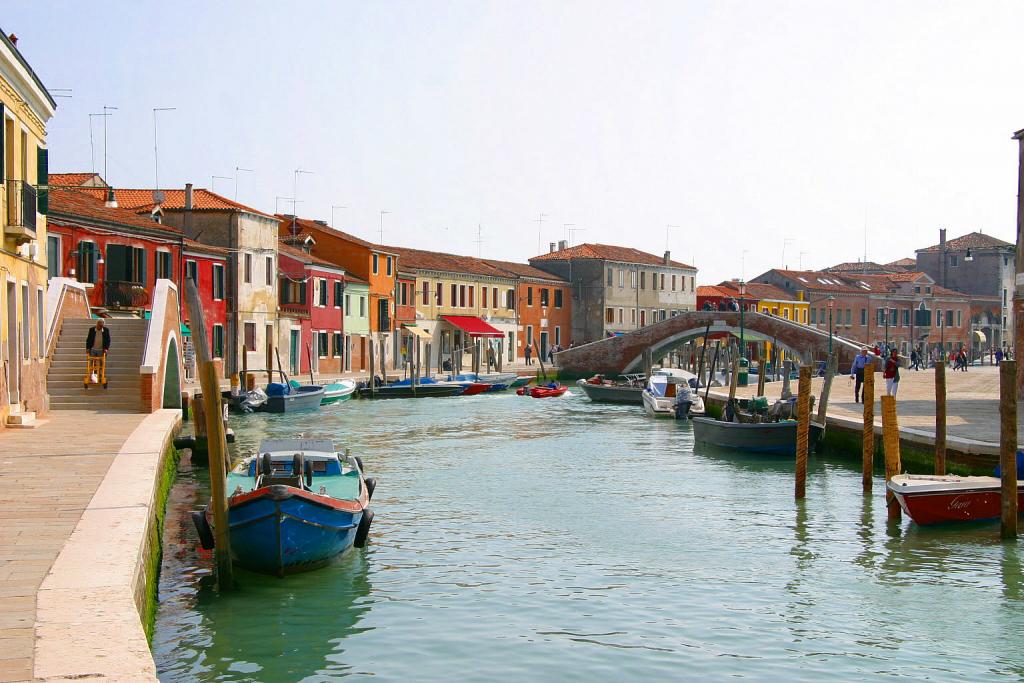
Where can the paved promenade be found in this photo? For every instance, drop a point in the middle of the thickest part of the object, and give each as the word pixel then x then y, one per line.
pixel 48 475
pixel 972 401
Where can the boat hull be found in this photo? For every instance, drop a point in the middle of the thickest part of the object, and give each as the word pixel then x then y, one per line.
pixel 280 530
pixel 657 407
pixel 770 438
pixel 303 398
pixel 335 393
pixel 604 393
pixel 971 504
pixel 422 391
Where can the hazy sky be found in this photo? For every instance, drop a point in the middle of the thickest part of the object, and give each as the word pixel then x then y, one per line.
pixel 746 124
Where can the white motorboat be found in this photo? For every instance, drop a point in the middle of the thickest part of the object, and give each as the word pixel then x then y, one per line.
pixel 670 393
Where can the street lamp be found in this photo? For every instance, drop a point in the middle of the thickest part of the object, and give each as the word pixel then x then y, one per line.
pixel 831 305
pixel 743 291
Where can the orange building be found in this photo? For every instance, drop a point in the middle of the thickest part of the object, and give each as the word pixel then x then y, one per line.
pixel 543 308
pixel 363 259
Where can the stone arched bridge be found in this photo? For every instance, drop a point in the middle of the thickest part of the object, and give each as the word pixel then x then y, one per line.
pixel 624 353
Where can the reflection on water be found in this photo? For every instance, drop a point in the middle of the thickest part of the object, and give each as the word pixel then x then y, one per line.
pixel 561 540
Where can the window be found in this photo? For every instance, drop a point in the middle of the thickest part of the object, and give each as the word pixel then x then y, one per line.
pixel 620 316
pixel 269 263
pixel 462 296
pixel 362 307
pixel 952 261
pixel 643 280
pixel 218 281
pixel 803 316
pixel 425 296
pixel 917 289
pixel 673 283
pixel 250 336
pixel 959 320
pixel 558 335
pixel 53 256
pixel 348 303
pixel 40 318
pixel 389 265
pixel 938 317
pixel 609 315
pixel 864 317
pixel 248 269
pixel 529 294
pixel 322 293
pixel 544 296
pixel 494 297
pixel 814 316
pixel 510 299
pixel 849 316
pixel 192 271
pixel 643 317
pixel 292 292
pixel 880 316
pixel 785 313
pixel 321 344
pixel 611 277
pixel 662 282
pixel 558 298
pixel 483 297
pixel 893 317
pixel 440 294
pixel 455 296
pixel 632 316
pixel 471 288
pixel 376 264
pixel 162 265
pixel 906 317
pixel 927 289
pixel 663 316
pixel 632 279
pixel 621 279
pixel 126 264
pixel 529 335
pixel 336 344
pixel 218 341
pixel 337 293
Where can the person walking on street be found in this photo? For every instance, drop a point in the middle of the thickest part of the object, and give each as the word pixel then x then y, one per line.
pixel 915 360
pixel 528 352
pixel 999 356
pixel 892 373
pixel 860 362
pixel 97 342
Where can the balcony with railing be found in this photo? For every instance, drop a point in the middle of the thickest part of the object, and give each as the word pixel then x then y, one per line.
pixel 124 295
pixel 294 310
pixel 22 204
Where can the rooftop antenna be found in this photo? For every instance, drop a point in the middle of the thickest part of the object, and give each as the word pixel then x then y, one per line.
pixel 382 226
pixel 61 92
pixel 295 200
pixel 667 228
pixel 277 202
pixel 237 169
pixel 865 240
pixel 540 225
pixel 572 231
pixel 479 241
pixel 217 177
pixel 105 115
pixel 333 207
pixel 156 149
pixel 785 241
pixel 802 258
pixel 567 227
pixel 92 147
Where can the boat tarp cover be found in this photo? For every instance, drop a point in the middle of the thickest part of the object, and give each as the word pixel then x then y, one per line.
pixel 473 326
pixel 296 445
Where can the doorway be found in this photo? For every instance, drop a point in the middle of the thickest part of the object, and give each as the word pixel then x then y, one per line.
pixel 544 345
pixel 293 351
pixel 13 351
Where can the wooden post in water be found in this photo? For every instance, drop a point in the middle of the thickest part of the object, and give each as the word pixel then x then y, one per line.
pixel 868 454
pixel 734 373
pixel 245 371
pixel 940 418
pixel 427 352
pixel 891 443
pixel 373 359
pixel 803 426
pixel 787 370
pixel 416 372
pixel 383 362
pixel 761 378
pixel 216 439
pixel 831 365
pixel 1008 446
pixel 501 354
pixel 711 372
pixel 703 350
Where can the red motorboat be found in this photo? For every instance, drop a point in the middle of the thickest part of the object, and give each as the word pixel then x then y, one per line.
pixel 548 390
pixel 475 388
pixel 934 499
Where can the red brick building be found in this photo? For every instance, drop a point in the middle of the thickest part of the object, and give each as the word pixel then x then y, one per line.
pixel 311 311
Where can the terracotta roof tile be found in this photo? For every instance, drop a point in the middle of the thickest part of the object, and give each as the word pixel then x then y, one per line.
pixel 449 263
pixel 763 290
pixel 202 200
pixel 972 240
pixel 715 290
pixel 903 263
pixel 608 252
pixel 84 204
pixel 307 226
pixel 303 257
pixel 524 270
pixel 192 245
pixel 72 179
pixel 859 267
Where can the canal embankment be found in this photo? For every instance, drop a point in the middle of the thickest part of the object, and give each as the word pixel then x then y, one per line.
pixel 81 541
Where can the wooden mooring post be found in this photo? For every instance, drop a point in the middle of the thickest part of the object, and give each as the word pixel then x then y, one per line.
pixel 373 357
pixel 1008 446
pixel 216 439
pixel 868 455
pixel 891 444
pixel 803 425
pixel 734 373
pixel 940 418
pixel 711 371
pixel 831 365
pixel 761 374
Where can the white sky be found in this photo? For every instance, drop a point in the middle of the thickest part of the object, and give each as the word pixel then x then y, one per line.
pixel 744 123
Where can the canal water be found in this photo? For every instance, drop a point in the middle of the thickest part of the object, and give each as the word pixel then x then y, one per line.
pixel 559 540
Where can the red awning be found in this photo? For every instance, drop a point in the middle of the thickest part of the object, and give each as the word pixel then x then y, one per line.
pixel 472 325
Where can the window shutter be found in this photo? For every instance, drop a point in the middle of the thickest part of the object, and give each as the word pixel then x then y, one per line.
pixel 140 255
pixel 94 269
pixel 42 179
pixel 3 147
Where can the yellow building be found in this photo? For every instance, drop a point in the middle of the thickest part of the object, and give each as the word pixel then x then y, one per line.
pixel 25 108
pixel 775 301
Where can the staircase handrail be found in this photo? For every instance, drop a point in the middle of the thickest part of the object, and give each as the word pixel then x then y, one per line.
pixel 56 292
pixel 152 349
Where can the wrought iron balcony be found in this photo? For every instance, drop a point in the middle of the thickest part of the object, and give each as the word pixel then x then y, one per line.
pixel 21 211
pixel 120 294
pixel 294 310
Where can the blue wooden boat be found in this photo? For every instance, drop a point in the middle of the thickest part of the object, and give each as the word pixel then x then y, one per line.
pixel 294 506
pixel 284 398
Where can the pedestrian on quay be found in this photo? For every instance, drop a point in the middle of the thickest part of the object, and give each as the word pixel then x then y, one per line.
pixel 962 358
pixel 891 374
pixel 915 360
pixel 999 356
pixel 860 362
pixel 528 352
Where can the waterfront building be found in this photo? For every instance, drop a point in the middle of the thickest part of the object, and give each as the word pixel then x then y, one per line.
pixel 311 311
pixel 459 299
pixel 405 316
pixel 543 305
pixel 852 268
pixel 25 109
pixel 119 255
pixel 357 324
pixel 249 238
pixel 619 289
pixel 908 310
pixel 983 267
pixel 778 302
pixel 373 264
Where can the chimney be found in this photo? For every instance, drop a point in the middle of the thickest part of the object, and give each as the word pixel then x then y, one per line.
pixel 14 39
pixel 562 244
pixel 320 222
pixel 188 196
pixel 188 210
pixel 942 254
pixel 668 257
pixel 551 247
pixel 111 202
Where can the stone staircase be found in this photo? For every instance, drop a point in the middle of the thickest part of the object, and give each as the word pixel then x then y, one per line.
pixel 67 369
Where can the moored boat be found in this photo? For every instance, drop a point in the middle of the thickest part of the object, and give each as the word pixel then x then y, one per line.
pixel 294 506
pixel 627 389
pixel 335 392
pixel 520 381
pixel 283 398
pixel 550 390
pixel 935 499
pixel 668 394
pixel 754 437
pixel 409 391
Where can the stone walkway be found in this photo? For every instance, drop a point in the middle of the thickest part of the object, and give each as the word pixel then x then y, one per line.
pixel 48 475
pixel 972 401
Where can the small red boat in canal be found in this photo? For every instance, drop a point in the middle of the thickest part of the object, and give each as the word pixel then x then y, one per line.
pixel 543 391
pixel 475 388
pixel 935 499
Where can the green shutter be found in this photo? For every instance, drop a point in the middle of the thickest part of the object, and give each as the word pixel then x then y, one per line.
pixel 140 257
pixel 118 266
pixel 43 179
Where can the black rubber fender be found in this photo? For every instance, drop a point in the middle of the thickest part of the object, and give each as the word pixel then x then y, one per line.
pixel 363 531
pixel 266 465
pixel 185 442
pixel 203 529
pixel 298 465
pixel 359 461
pixel 371 484
pixel 308 472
